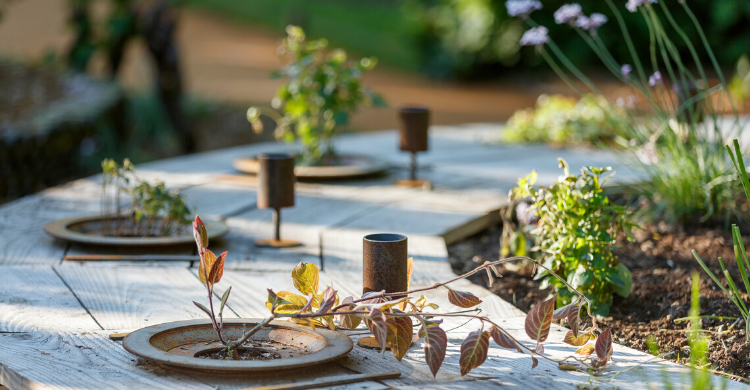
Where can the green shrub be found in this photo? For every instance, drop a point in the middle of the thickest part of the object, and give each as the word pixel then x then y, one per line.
pixel 576 232
pixel 322 89
pixel 563 120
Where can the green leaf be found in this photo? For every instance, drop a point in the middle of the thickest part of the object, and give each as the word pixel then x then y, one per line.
pixel 224 298
pixel 581 277
pixel 208 312
pixel 626 279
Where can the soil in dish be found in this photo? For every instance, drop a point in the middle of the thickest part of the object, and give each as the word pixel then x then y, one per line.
pixel 244 354
pixel 662 266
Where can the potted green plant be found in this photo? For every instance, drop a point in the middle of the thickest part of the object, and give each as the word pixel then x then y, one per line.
pixel 154 215
pixel 322 89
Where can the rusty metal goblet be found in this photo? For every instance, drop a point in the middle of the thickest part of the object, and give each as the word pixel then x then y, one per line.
pixel 275 191
pixel 384 268
pixel 415 121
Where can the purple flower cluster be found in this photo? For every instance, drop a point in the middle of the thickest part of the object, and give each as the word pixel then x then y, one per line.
pixel 633 5
pixel 591 23
pixel 536 36
pixel 568 13
pixel 655 79
pixel 522 7
pixel 625 70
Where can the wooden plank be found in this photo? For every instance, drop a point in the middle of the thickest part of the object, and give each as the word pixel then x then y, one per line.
pixel 244 255
pixel 80 361
pixel 34 298
pixel 219 199
pixel 505 368
pixel 307 219
pixel 134 297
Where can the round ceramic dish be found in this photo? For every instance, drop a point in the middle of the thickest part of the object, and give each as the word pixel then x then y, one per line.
pixel 86 230
pixel 176 344
pixel 352 167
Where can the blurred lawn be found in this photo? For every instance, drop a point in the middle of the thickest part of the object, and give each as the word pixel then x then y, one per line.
pixel 380 28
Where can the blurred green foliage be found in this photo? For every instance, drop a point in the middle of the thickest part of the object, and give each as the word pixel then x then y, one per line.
pixel 475 38
pixel 576 231
pixel 564 120
pixel 321 90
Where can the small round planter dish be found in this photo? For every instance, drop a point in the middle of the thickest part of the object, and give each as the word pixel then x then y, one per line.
pixel 176 344
pixel 351 167
pixel 87 231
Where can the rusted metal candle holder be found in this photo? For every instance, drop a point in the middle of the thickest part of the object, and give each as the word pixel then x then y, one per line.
pixel 384 268
pixel 415 121
pixel 276 191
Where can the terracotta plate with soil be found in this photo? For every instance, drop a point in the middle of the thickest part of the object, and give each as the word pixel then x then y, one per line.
pixel 93 230
pixel 193 345
pixel 344 167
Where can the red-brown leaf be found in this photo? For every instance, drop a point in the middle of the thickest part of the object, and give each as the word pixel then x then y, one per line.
pixel 435 346
pixel 402 341
pixel 539 320
pixel 534 362
pixel 200 234
pixel 329 299
pixel 474 351
pixel 463 299
pixel 604 345
pixel 378 327
pixel 349 321
pixel 503 340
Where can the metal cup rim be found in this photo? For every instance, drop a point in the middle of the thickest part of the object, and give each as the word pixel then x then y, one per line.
pixel 413 110
pixel 275 156
pixel 385 237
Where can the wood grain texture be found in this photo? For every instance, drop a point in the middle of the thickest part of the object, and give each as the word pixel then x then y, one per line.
pixel 219 199
pixel 34 298
pixel 244 255
pixel 134 297
pixel 67 361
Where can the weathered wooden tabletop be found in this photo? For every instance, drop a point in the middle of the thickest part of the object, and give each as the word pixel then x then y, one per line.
pixel 56 315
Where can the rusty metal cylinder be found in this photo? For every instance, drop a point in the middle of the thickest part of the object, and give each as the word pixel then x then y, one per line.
pixel 414 124
pixel 276 181
pixel 384 263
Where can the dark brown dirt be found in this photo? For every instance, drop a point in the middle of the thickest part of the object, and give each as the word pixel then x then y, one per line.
pixel 661 265
pixel 244 354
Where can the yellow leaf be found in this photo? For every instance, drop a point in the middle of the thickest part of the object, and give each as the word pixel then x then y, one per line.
pixel 206 267
pixel 409 268
pixel 582 338
pixel 586 350
pixel 296 303
pixel 306 278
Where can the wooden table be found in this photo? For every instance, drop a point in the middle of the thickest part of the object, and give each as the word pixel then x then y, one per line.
pixel 56 316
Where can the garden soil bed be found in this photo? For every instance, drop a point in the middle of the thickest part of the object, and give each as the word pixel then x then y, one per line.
pixel 661 265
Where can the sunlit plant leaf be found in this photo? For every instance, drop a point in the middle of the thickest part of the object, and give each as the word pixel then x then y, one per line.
pixel 409 269
pixel 534 362
pixel 349 321
pixel 203 308
pixel 212 268
pixel 402 340
pixel 582 338
pixel 474 351
pixel 328 301
pixel 586 350
pixel 604 345
pixel 378 327
pixel 539 320
pixel 305 277
pixel 435 347
pixel 224 299
pixel 463 299
pixel 503 339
